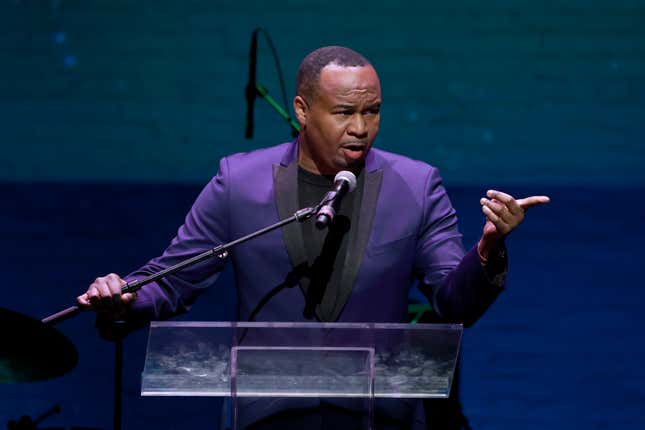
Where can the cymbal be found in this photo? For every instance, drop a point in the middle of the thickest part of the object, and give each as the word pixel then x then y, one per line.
pixel 31 350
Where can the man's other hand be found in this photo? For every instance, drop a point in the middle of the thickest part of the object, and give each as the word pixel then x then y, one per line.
pixel 104 295
pixel 503 214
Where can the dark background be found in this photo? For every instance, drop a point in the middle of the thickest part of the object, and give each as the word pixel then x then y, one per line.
pixel 114 113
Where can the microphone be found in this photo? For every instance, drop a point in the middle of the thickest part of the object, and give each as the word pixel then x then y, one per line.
pixel 344 182
pixel 250 90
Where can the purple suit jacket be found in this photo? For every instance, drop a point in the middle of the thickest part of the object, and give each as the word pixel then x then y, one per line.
pixel 407 232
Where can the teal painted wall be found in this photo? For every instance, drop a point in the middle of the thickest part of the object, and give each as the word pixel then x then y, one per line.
pixel 491 92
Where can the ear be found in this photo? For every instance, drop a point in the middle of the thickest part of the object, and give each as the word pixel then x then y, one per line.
pixel 301 109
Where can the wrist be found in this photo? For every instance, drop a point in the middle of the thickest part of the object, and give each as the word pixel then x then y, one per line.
pixel 490 248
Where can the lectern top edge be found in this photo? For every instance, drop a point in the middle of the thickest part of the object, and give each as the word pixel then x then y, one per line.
pixel 304 325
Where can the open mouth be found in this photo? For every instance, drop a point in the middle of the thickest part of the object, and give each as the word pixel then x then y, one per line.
pixel 354 151
pixel 357 146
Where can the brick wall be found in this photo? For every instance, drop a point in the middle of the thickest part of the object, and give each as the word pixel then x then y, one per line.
pixel 498 91
pixel 501 91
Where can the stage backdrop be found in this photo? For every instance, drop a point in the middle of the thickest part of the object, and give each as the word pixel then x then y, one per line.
pixel 114 113
pixel 501 91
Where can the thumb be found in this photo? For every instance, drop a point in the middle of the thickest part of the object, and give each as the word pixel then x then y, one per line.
pixel 128 298
pixel 83 301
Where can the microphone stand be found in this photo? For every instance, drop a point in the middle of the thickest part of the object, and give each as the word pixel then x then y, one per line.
pixel 119 332
pixel 220 251
pixel 254 88
pixel 118 328
pixel 264 93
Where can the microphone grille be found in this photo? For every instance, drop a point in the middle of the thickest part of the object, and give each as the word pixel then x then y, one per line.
pixel 346 175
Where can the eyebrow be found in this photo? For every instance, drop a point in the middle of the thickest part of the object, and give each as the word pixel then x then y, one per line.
pixel 343 106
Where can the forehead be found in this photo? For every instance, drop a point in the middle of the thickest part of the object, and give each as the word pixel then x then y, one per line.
pixel 343 81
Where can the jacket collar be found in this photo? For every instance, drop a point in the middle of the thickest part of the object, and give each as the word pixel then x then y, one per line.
pixel 285 181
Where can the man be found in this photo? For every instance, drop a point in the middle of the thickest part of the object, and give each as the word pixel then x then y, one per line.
pixel 396 227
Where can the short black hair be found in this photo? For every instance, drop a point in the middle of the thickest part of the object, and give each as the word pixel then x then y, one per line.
pixel 309 70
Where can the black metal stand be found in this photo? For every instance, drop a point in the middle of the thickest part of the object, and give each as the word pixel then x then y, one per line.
pixel 264 93
pixel 219 251
pixel 26 423
pixel 119 328
pixel 116 331
pixel 254 88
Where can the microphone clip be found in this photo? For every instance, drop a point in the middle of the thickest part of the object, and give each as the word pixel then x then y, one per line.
pixel 344 182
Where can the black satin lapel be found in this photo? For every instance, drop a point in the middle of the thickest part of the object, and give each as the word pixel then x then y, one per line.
pixel 358 238
pixel 285 183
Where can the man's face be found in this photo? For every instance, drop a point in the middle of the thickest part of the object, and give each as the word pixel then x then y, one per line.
pixel 340 123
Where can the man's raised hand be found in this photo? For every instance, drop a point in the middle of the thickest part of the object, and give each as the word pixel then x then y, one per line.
pixel 504 213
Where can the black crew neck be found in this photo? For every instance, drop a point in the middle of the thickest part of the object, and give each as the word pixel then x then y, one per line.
pixel 314 178
pixel 317 179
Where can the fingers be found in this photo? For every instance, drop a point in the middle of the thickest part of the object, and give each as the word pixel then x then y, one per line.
pixel 505 212
pixel 128 298
pixel 529 202
pixel 114 284
pixel 83 301
pixel 498 209
pixel 516 206
pixel 503 228
pixel 506 199
pixel 94 295
pixel 105 293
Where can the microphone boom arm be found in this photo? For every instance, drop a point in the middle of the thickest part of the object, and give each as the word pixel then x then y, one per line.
pixel 220 251
pixel 264 93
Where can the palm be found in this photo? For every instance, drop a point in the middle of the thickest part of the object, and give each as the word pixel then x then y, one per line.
pixel 490 230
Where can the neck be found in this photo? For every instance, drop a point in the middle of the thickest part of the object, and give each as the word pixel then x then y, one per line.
pixel 307 162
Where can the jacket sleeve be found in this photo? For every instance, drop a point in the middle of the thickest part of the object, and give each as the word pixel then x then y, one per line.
pixel 205 226
pixel 455 283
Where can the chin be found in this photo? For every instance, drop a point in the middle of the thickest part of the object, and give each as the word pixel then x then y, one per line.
pixel 347 166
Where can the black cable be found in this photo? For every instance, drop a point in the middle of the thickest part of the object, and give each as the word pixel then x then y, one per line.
pixel 277 66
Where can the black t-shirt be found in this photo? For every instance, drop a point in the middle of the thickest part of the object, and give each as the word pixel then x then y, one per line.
pixel 326 249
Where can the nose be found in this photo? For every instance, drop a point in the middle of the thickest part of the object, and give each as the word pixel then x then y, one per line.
pixel 357 126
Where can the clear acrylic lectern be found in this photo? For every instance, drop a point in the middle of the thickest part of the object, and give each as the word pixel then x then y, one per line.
pixel 359 360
